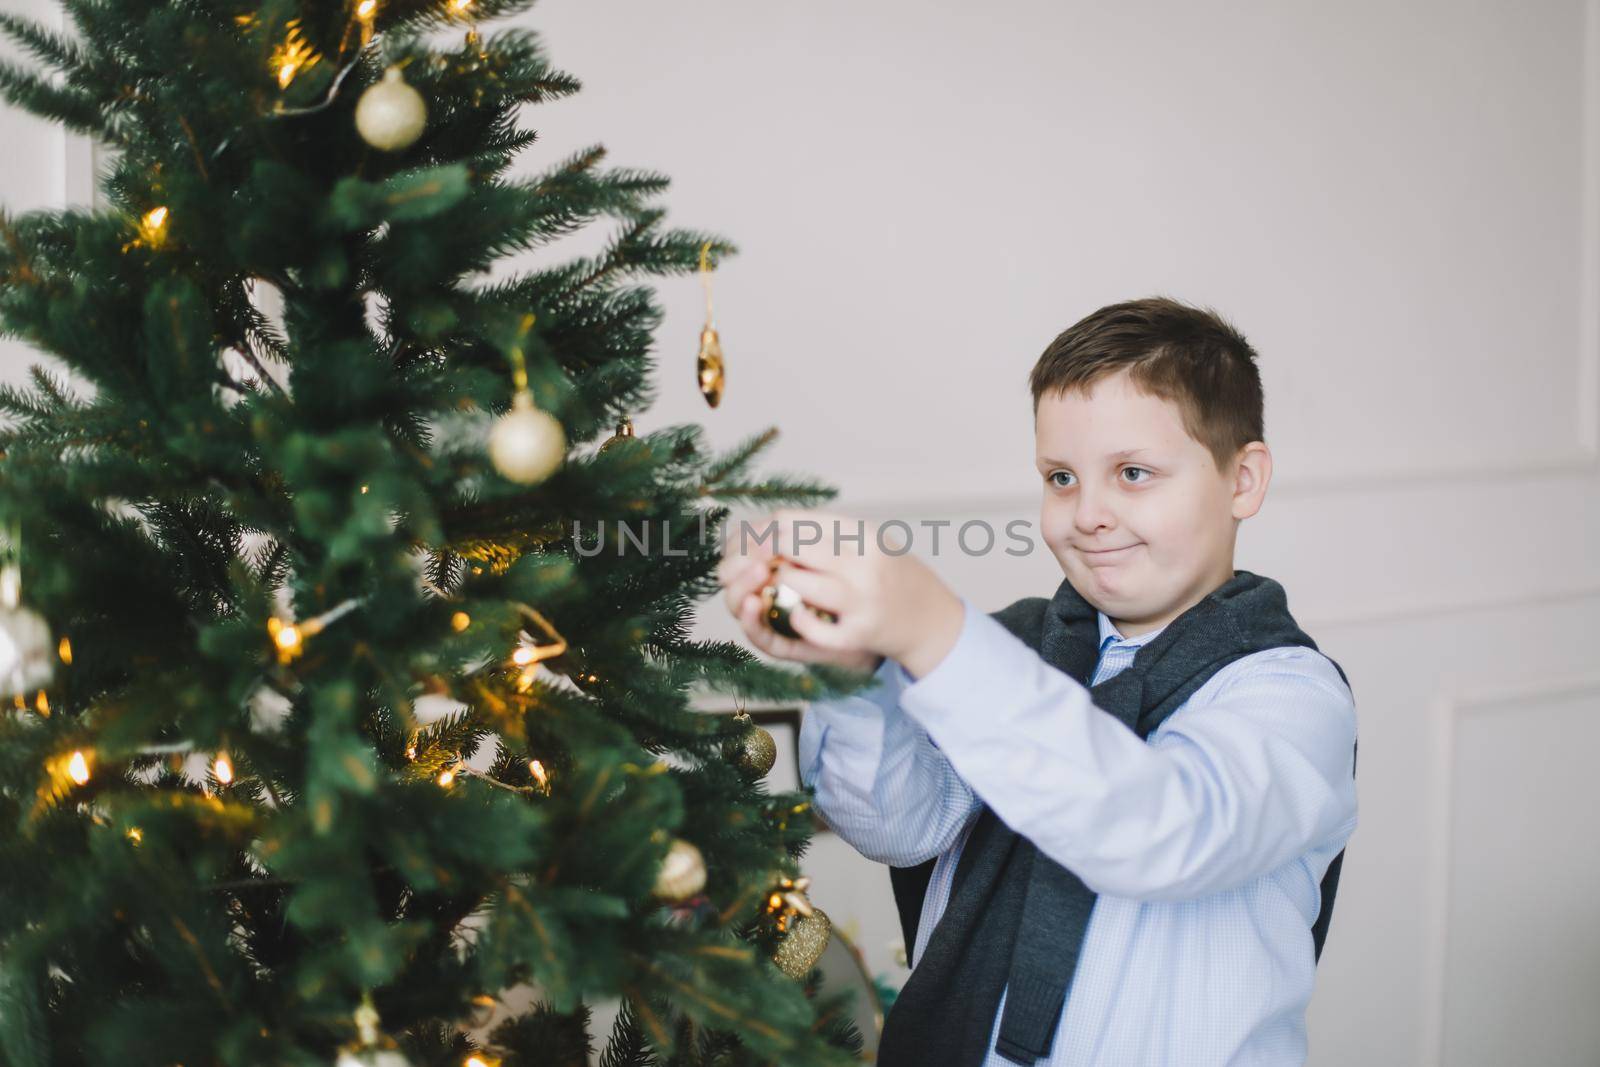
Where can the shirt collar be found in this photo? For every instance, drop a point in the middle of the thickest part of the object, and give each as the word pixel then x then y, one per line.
pixel 1109 633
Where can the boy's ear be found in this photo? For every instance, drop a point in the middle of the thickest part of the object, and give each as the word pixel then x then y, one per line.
pixel 1252 470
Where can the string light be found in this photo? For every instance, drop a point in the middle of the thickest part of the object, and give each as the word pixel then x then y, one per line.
pixel 64 650
pixel 135 835
pixel 290 637
pixel 223 768
pixel 364 488
pixel 42 704
pixel 447 778
pixel 286 636
pixel 78 767
pixel 540 776
pixel 460 7
pixel 292 56
pixel 478 1060
pixel 153 227
pixel 366 15
pixel 528 657
pixel 460 621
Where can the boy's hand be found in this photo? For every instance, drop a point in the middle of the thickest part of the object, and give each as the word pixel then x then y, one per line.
pixel 742 578
pixel 889 605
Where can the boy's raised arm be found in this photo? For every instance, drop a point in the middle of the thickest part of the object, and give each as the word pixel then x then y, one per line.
pixel 1223 793
pixel 881 783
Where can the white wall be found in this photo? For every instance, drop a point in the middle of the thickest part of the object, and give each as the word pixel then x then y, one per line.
pixel 1400 206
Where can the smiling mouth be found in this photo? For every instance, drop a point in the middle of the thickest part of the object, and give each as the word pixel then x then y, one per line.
pixel 1107 553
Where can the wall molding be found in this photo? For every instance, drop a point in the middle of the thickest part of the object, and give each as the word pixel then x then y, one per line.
pixel 1447 711
pixel 1466 606
pixel 1582 464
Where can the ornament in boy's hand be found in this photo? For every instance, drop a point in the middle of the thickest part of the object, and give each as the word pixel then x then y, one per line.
pixel 781 602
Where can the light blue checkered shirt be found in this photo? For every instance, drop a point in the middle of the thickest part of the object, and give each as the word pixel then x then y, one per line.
pixel 1206 845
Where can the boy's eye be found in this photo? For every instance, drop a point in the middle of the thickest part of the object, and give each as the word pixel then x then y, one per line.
pixel 1054 475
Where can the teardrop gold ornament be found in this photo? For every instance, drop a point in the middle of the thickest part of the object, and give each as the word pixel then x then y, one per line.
pixel 708 365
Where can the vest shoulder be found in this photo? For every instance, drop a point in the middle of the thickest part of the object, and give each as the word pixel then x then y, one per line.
pixel 1023 617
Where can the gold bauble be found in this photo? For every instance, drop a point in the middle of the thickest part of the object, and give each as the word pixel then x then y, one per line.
pixel 624 433
pixel 390 115
pixel 27 655
pixel 709 365
pixel 683 872
pixel 802 946
pixel 527 444
pixel 754 752
pixel 781 601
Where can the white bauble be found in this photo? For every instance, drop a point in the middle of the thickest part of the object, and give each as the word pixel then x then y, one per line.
pixel 682 873
pixel 390 115
pixel 27 655
pixel 527 444
pixel 371 1057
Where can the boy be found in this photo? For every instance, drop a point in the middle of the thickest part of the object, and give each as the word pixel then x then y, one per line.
pixel 1113 818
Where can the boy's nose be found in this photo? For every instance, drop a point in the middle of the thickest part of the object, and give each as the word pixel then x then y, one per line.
pixel 1092 514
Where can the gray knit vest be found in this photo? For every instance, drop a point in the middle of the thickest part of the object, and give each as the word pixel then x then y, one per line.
pixel 1015 919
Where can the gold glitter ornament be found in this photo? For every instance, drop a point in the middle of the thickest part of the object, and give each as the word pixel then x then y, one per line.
pixel 527 443
pixel 683 872
pixel 754 752
pixel 803 928
pixel 803 945
pixel 391 115
pixel 708 364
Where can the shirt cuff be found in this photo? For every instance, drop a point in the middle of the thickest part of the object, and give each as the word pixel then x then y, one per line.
pixel 853 723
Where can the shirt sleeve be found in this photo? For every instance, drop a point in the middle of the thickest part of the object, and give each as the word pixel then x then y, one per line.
pixel 879 780
pixel 1226 790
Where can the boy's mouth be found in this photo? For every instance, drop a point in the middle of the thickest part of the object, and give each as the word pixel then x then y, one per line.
pixel 1107 555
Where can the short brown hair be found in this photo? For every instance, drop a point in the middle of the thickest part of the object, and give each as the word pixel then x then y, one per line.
pixel 1189 356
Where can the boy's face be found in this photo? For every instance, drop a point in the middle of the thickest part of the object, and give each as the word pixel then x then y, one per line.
pixel 1165 514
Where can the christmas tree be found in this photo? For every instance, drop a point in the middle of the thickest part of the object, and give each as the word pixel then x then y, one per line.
pixel 336 711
